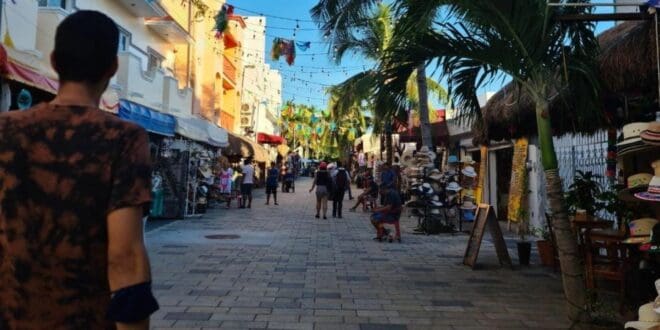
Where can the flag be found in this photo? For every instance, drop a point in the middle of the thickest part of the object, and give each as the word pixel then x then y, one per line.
pixel 303 45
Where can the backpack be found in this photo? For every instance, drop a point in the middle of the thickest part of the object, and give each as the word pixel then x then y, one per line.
pixel 341 180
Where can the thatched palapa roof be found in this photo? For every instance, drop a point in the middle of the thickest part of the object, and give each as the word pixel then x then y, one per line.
pixel 627 67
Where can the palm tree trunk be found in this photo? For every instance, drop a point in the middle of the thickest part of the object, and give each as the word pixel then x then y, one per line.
pixel 572 268
pixel 389 147
pixel 425 125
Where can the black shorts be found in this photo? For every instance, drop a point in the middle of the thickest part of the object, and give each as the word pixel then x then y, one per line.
pixel 271 189
pixel 246 189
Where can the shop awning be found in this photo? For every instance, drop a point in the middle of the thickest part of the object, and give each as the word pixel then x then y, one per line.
pixel 152 120
pixel 241 147
pixel 192 128
pixel 200 130
pixel 217 135
pixel 27 69
pixel 264 138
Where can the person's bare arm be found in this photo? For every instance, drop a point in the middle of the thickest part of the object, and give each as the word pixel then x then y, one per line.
pixel 128 263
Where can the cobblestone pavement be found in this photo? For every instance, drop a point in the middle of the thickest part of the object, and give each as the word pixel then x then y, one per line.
pixel 277 267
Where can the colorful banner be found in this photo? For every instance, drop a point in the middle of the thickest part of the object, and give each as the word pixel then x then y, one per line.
pixel 518 185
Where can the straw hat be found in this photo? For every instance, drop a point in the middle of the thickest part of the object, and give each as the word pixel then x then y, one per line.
pixel 652 134
pixel 468 160
pixel 648 318
pixel 652 193
pixel 631 133
pixel 640 230
pixel 435 174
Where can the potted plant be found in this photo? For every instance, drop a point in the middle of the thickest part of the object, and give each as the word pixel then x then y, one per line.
pixel 582 196
pixel 523 245
pixel 545 246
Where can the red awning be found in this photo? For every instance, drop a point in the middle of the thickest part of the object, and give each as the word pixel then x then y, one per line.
pixel 264 138
pixel 31 77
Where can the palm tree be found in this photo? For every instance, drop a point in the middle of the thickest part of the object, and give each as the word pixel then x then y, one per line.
pixel 370 34
pixel 520 39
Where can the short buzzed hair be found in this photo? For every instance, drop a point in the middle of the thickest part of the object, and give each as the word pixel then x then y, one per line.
pixel 86 45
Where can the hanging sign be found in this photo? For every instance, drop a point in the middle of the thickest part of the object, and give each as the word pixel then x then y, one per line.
pixel 518 180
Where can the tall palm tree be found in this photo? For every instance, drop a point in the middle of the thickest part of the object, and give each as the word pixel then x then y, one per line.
pixel 482 40
pixel 370 34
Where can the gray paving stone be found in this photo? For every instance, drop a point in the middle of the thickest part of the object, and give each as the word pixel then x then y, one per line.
pixel 188 316
pixel 376 326
pixel 293 271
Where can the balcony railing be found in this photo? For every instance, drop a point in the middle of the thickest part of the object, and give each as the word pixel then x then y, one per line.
pixel 176 101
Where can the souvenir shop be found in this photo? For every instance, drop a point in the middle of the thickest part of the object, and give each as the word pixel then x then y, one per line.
pixel 240 148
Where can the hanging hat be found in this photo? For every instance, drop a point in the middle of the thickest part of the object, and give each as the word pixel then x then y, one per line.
pixel 435 174
pixel 453 186
pixel 636 183
pixel 452 159
pixel 647 318
pixel 468 160
pixel 206 172
pixel 640 230
pixel 468 205
pixel 424 150
pixel 469 171
pixel 652 134
pixel 652 193
pixel 631 133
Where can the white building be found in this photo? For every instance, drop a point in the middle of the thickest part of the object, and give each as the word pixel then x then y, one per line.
pixel 262 86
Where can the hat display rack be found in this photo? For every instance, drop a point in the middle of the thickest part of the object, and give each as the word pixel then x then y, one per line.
pixel 434 197
pixel 638 160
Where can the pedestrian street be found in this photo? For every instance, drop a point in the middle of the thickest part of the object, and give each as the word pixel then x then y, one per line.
pixel 277 267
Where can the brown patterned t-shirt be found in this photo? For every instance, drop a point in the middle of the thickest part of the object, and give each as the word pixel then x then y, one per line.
pixel 62 170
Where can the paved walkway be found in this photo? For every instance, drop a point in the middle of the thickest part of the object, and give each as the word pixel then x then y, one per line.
pixel 277 267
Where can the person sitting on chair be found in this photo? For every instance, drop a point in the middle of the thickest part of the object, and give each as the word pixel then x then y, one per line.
pixel 370 191
pixel 389 213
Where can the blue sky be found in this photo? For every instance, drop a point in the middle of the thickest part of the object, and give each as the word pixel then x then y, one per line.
pixel 305 80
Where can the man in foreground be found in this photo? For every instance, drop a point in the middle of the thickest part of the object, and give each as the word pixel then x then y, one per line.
pixel 74 186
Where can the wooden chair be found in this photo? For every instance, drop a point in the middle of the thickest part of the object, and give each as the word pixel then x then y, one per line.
pixel 607 258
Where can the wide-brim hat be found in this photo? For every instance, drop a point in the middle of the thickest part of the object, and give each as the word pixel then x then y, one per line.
pixel 206 172
pixel 648 318
pixel 469 172
pixel 635 183
pixel 468 205
pixel 632 132
pixel 424 149
pixel 647 196
pixel 452 159
pixel 633 147
pixel 468 160
pixel 652 134
pixel 453 186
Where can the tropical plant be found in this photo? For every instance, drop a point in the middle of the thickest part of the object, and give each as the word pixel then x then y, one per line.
pixel 478 41
pixel 584 193
pixel 370 34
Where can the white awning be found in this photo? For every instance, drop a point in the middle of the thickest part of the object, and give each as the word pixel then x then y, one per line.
pixel 218 136
pixel 192 128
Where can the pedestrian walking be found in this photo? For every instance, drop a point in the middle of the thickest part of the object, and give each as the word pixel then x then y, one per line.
pixel 323 184
pixel 271 183
pixel 341 180
pixel 248 181
pixel 75 185
pixel 226 178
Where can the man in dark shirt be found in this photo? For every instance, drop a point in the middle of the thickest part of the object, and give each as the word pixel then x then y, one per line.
pixel 390 213
pixel 74 186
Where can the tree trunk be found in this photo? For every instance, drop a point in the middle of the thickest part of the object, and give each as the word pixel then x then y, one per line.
pixel 425 125
pixel 389 147
pixel 572 267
